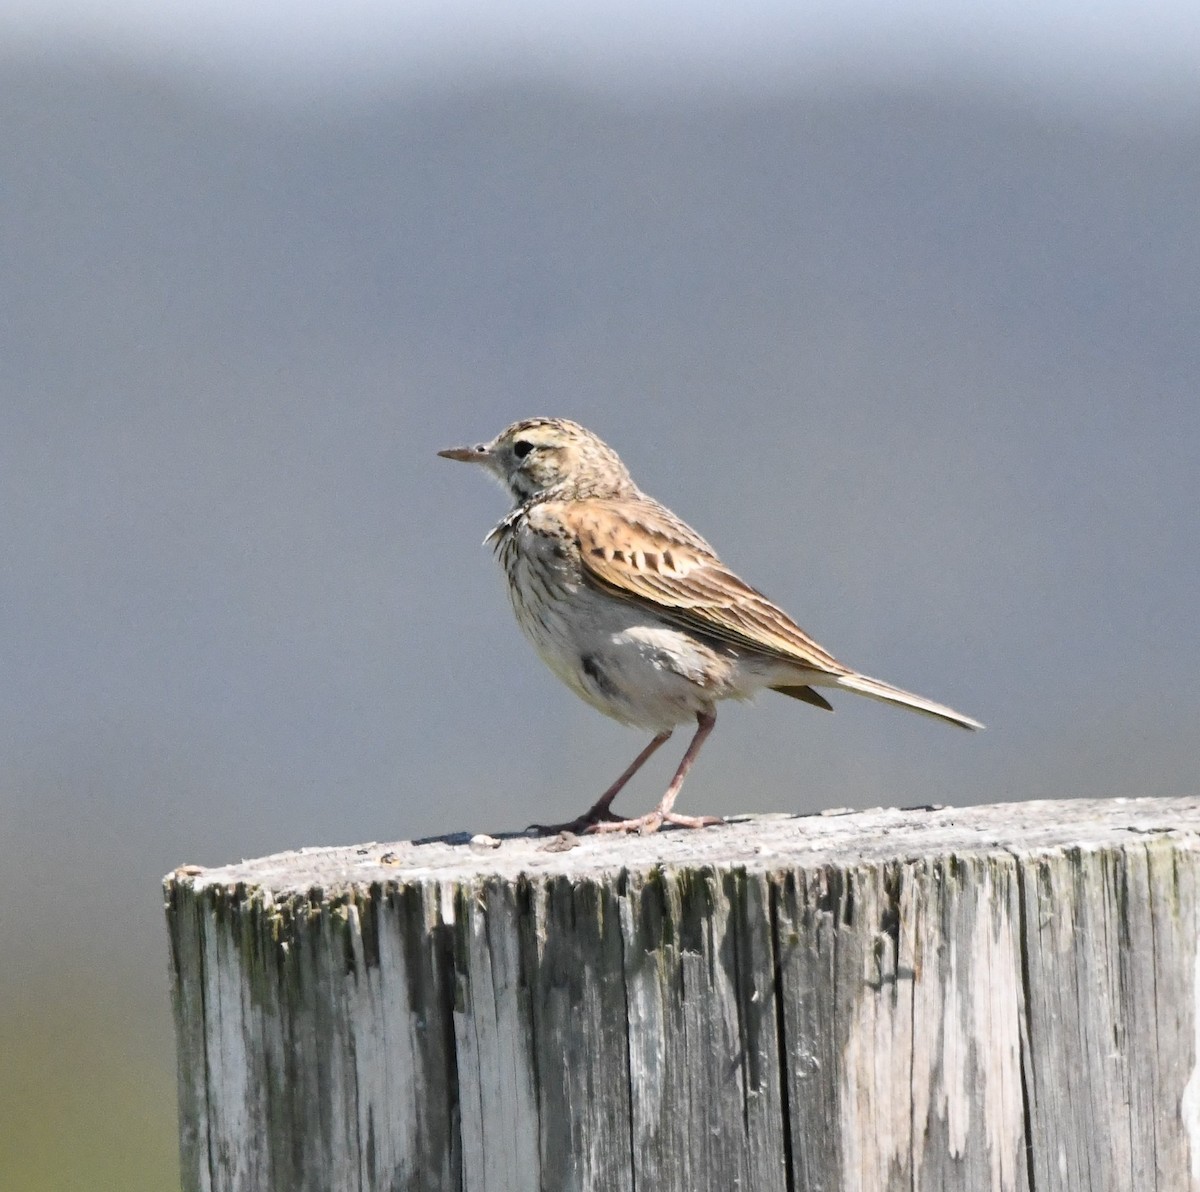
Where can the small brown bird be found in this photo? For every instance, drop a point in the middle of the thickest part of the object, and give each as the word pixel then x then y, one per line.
pixel 633 610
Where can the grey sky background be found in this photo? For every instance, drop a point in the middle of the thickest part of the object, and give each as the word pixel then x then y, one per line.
pixel 898 307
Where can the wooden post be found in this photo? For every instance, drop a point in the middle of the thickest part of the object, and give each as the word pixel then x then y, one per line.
pixel 983 999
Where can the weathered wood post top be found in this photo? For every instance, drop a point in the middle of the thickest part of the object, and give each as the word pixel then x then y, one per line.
pixel 990 998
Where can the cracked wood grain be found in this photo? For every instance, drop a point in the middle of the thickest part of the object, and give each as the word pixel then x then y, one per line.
pixel 1000 999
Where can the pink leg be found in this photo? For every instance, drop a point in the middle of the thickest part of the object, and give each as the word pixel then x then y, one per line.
pixel 655 819
pixel 600 809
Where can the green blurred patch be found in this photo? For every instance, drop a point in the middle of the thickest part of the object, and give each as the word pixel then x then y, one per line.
pixel 87 1089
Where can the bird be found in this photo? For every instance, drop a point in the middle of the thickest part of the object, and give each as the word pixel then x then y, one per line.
pixel 634 611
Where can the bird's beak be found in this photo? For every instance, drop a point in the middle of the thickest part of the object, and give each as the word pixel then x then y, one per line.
pixel 478 454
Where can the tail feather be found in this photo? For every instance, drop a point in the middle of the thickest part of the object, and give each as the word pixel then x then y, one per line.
pixel 807 694
pixel 877 689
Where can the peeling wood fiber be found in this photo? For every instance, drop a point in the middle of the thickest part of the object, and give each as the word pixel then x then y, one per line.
pixel 1000 999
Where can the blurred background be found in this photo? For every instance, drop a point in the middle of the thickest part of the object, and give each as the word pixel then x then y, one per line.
pixel 896 303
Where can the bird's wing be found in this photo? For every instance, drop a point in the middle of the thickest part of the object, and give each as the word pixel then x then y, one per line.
pixel 642 552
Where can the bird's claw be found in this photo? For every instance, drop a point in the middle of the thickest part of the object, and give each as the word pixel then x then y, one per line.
pixel 644 825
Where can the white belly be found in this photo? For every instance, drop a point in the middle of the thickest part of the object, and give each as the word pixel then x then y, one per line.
pixel 621 659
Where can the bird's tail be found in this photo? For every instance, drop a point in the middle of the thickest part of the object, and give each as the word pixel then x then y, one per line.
pixel 877 689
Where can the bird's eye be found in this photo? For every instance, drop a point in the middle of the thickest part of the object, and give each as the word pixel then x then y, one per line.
pixel 521 448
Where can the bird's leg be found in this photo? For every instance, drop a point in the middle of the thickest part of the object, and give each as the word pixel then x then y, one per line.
pixel 600 809
pixel 706 723
pixel 655 819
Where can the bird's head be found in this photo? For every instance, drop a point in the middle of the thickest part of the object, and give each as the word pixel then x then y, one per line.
pixel 549 455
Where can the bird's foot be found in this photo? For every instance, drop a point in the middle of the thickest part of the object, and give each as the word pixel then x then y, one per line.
pixel 643 825
pixel 587 822
pixel 693 821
